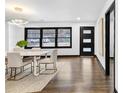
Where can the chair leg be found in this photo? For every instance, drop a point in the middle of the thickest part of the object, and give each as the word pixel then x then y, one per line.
pixel 45 66
pixel 54 67
pixel 13 77
pixel 23 68
pixel 6 69
pixel 39 68
pixel 32 64
pixel 15 74
pixel 31 68
pixel 11 72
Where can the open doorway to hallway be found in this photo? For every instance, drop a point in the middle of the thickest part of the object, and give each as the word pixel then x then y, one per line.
pixel 110 43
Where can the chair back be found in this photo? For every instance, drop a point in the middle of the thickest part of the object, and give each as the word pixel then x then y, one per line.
pixel 14 59
pixel 18 49
pixel 54 56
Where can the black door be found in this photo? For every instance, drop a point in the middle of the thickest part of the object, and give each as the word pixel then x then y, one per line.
pixel 86 41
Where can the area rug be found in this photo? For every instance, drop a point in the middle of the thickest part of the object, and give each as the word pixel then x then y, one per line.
pixel 30 83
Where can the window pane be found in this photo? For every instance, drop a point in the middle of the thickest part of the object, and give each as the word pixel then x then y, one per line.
pixel 87 32
pixel 86 49
pixel 33 33
pixel 63 37
pixel 33 37
pixel 64 41
pixel 86 40
pixel 48 38
pixel 63 32
pixel 33 42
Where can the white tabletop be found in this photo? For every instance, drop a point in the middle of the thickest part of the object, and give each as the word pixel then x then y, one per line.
pixel 29 52
pixel 32 53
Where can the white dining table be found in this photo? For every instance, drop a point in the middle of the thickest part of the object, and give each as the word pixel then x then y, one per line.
pixel 34 54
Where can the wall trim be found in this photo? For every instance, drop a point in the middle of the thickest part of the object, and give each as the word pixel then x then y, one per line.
pixel 65 56
pixel 115 90
pixel 68 55
pixel 98 61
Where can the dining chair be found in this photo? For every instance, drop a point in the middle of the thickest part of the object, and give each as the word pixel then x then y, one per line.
pixel 51 60
pixel 18 49
pixel 6 67
pixel 15 61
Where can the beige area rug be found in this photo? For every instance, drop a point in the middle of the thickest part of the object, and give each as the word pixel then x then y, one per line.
pixel 30 83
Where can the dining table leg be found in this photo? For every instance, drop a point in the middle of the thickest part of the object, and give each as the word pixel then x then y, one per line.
pixel 45 55
pixel 35 66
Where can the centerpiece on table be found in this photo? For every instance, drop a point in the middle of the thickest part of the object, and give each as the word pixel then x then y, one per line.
pixel 22 43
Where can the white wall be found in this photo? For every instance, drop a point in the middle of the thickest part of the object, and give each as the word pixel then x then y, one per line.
pixel 112 34
pixel 102 15
pixel 75 50
pixel 116 45
pixel 13 34
pixel 6 37
pixel 102 58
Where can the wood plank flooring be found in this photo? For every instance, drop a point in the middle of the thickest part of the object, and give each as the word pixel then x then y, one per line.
pixel 80 75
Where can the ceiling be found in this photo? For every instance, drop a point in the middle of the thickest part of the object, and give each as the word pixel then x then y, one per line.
pixel 55 10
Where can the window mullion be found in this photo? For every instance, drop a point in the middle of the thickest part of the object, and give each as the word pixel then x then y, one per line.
pixel 41 37
pixel 56 38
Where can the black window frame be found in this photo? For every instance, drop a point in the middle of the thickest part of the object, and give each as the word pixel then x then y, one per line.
pixel 42 38
pixel 56 36
pixel 26 36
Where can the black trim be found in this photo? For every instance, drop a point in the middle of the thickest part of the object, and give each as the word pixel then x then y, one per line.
pixel 107 44
pixel 115 91
pixel 56 36
pixel 41 33
pixel 25 35
pixel 64 56
pixel 107 38
pixel 68 55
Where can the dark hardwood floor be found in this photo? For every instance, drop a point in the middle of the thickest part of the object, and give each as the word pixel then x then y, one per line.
pixel 80 75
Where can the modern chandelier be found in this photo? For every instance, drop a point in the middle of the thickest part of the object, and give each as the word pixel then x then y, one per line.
pixel 18 22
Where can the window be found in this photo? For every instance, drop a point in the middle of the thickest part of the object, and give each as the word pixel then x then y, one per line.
pixel 48 39
pixel 33 37
pixel 54 37
pixel 64 38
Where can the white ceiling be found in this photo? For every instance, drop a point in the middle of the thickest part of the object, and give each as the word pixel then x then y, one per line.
pixel 55 10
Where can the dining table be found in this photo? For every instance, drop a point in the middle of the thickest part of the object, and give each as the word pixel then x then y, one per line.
pixel 34 54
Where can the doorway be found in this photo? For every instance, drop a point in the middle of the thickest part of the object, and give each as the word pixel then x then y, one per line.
pixel 110 43
pixel 86 41
pixel 110 37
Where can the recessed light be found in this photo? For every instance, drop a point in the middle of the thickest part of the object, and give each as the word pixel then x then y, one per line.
pixel 78 18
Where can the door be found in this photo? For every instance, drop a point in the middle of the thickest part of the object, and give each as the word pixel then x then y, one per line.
pixel 86 41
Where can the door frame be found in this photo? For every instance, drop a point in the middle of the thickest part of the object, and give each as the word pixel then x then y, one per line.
pixel 107 40
pixel 80 44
